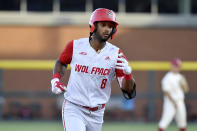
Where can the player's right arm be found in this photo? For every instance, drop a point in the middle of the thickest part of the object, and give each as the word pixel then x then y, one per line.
pixel 62 62
pixel 166 87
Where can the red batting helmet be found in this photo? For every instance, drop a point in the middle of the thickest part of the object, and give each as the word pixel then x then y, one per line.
pixel 102 14
pixel 176 62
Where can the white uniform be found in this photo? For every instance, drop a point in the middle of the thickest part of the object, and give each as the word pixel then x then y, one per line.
pixel 171 83
pixel 89 85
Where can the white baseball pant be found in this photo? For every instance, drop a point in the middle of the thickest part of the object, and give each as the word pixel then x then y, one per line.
pixel 78 118
pixel 169 112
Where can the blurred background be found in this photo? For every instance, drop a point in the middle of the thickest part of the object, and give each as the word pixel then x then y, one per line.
pixel 151 32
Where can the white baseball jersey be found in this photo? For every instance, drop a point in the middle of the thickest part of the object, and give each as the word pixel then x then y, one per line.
pixel 171 83
pixel 91 73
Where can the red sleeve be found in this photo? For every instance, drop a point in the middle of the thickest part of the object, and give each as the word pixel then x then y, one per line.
pixel 120 73
pixel 66 55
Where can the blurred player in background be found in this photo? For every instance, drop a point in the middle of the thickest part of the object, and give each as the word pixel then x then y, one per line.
pixel 94 64
pixel 174 85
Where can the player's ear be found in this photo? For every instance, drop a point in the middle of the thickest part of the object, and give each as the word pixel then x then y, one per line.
pixel 113 31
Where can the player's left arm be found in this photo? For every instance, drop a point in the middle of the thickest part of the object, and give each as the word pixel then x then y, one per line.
pixel 125 77
pixel 184 84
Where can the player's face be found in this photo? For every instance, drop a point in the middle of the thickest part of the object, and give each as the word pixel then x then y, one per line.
pixel 176 69
pixel 104 30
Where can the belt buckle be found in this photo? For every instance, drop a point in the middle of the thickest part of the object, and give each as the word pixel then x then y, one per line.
pixel 99 107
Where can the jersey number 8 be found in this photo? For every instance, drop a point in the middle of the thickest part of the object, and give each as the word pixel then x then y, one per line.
pixel 103 84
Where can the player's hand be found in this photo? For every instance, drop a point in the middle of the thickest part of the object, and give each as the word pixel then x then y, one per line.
pixel 123 64
pixel 175 104
pixel 184 85
pixel 57 87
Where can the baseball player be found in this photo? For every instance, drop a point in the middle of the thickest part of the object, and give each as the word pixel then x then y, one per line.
pixel 174 85
pixel 94 64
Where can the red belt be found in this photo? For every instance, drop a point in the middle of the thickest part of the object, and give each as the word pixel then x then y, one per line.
pixel 94 108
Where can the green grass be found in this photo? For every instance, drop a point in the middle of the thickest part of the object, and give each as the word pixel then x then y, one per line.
pixel 57 126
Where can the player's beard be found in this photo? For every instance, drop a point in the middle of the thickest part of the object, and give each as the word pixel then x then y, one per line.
pixel 100 38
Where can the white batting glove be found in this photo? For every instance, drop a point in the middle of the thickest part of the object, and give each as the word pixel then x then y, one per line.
pixel 57 87
pixel 123 65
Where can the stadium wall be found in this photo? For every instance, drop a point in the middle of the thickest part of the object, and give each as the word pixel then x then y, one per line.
pixel 150 44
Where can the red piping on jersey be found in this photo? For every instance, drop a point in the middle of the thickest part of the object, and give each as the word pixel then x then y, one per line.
pixel 63 114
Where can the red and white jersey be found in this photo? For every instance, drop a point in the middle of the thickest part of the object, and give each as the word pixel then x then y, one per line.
pixel 171 83
pixel 91 72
